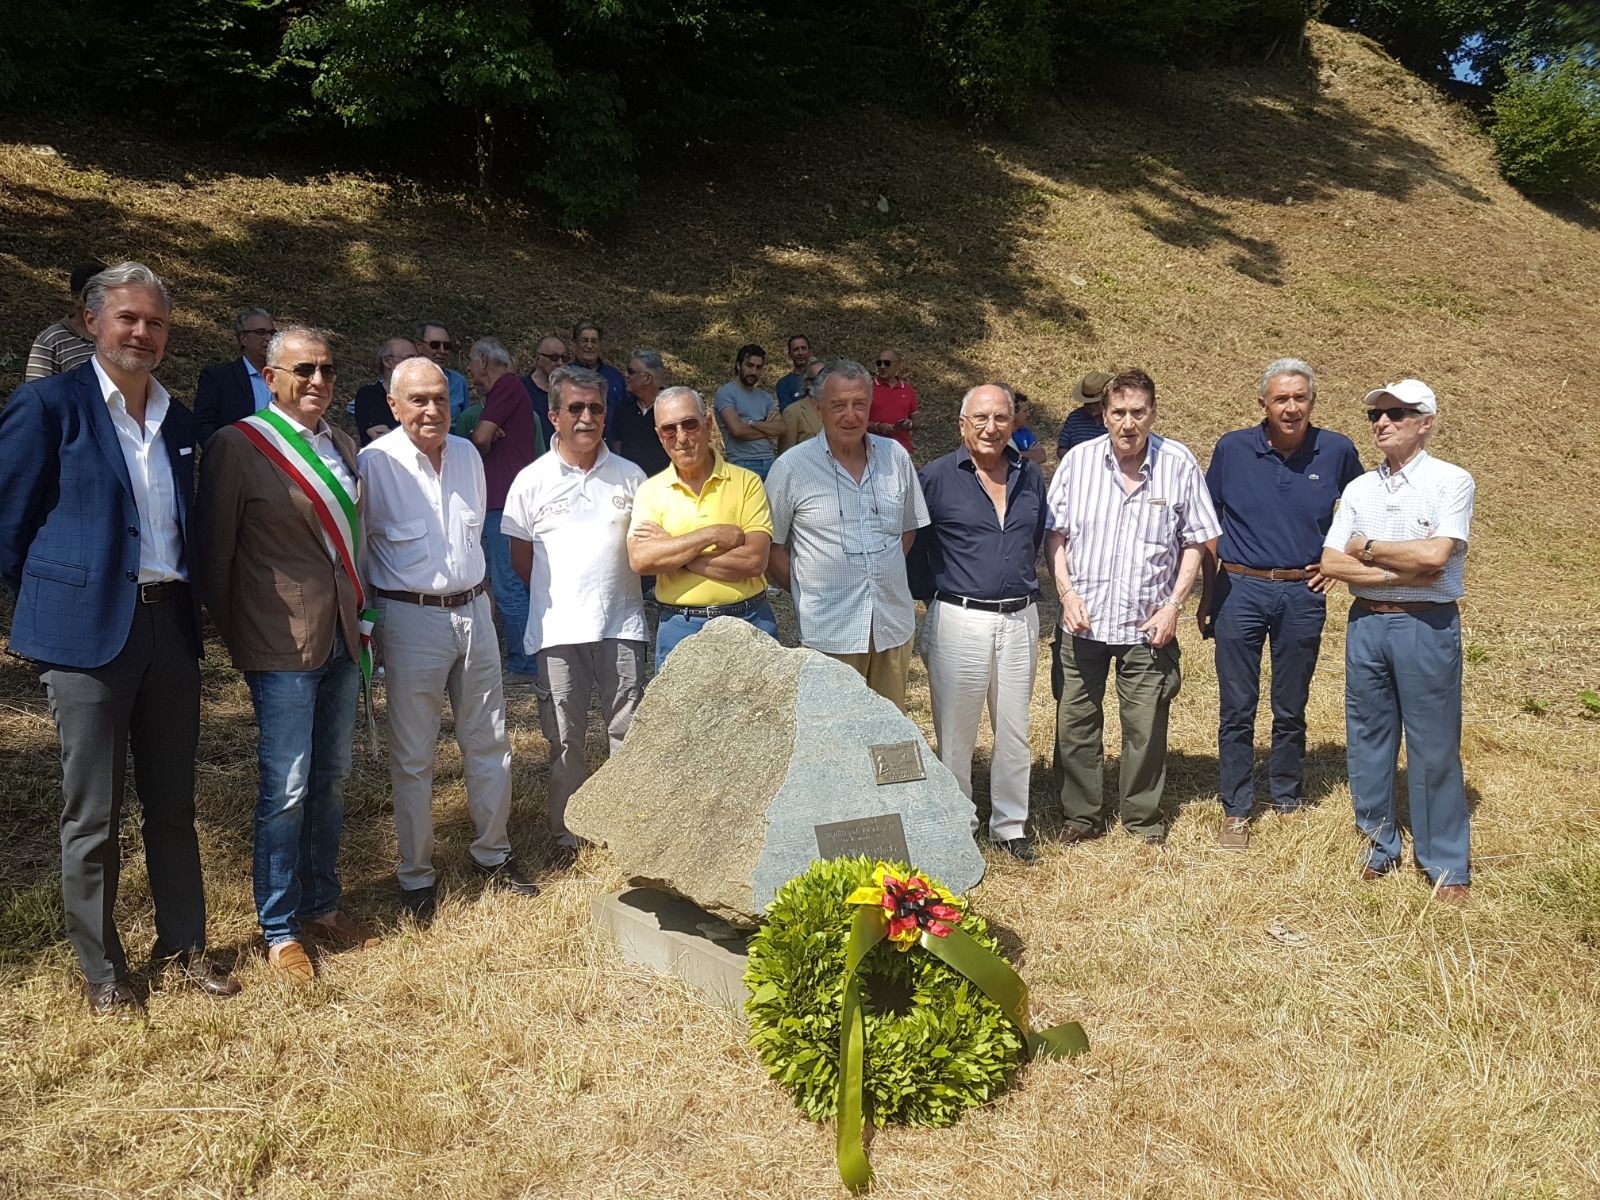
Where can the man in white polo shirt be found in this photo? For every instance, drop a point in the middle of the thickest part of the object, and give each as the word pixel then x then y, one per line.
pixel 425 499
pixel 1399 540
pixel 567 518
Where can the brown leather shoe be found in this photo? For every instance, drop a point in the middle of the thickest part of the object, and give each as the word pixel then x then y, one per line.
pixel 290 958
pixel 1371 874
pixel 199 971
pixel 1456 894
pixel 1077 833
pixel 339 931
pixel 1235 833
pixel 115 1000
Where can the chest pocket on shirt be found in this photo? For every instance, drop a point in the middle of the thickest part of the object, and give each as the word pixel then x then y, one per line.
pixel 471 529
pixel 889 491
pixel 408 543
pixel 1158 523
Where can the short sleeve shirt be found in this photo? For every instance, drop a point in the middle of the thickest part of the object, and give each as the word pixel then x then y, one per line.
pixel 634 433
pixel 751 405
pixel 508 406
pixel 731 495
pixel 1275 511
pixel 1426 498
pixel 582 589
pixel 892 403
pixel 847 566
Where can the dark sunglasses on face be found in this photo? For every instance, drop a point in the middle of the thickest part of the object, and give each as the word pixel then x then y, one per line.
pixel 884 363
pixel 577 408
pixel 670 429
pixel 307 370
pixel 440 345
pixel 1395 415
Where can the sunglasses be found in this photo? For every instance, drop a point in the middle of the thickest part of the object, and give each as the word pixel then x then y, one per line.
pixel 883 362
pixel 307 370
pixel 440 345
pixel 670 429
pixel 1395 415
pixel 556 357
pixel 268 332
pixel 577 408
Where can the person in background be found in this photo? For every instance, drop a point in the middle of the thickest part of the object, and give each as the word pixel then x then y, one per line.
pixel 373 417
pixel 633 429
pixel 229 391
pixel 894 401
pixel 1087 420
pixel 1023 440
pixel 61 347
pixel 433 341
pixel 748 413
pixel 587 338
pixel 800 356
pixel 550 355
pixel 801 420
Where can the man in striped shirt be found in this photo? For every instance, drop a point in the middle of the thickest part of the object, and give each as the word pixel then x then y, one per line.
pixel 1127 517
pixel 61 347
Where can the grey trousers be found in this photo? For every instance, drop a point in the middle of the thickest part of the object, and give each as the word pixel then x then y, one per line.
pixel 146 699
pixel 614 668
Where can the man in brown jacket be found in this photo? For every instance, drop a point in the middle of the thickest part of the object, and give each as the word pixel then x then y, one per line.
pixel 279 527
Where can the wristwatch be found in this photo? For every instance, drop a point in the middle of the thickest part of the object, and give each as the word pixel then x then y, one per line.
pixel 1366 551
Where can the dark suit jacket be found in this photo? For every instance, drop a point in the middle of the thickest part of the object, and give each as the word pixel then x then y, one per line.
pixel 273 591
pixel 223 396
pixel 69 528
pixel 372 408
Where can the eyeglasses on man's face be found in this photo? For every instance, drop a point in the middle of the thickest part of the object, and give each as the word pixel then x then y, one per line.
pixel 670 429
pixel 578 407
pixel 557 358
pixel 1395 415
pixel 308 370
pixel 445 344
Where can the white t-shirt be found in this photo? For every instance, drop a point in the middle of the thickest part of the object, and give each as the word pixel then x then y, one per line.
pixel 582 588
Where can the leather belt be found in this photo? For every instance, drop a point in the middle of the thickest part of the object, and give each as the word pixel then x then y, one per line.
pixel 1400 606
pixel 742 609
pixel 1015 604
pixel 1276 574
pixel 453 600
pixel 167 589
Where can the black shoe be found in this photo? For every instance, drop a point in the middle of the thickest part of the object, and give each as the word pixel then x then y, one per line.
pixel 507 877
pixel 422 903
pixel 198 970
pixel 115 1000
pixel 1020 848
pixel 563 857
pixel 1077 833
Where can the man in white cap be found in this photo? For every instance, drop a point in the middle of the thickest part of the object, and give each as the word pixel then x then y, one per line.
pixel 1399 540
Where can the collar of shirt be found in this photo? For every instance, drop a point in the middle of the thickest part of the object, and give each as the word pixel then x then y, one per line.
pixel 1263 446
pixel 569 468
pixel 312 435
pixel 964 460
pixel 1407 474
pixel 155 401
pixel 718 474
pixel 250 369
pixel 872 459
pixel 1151 446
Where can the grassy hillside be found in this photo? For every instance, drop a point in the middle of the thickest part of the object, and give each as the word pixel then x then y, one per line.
pixel 1195 224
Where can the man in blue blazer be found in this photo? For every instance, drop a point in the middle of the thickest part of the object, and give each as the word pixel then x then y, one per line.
pixel 97 471
pixel 230 391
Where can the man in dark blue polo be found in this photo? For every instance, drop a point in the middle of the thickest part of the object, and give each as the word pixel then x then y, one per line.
pixel 981 636
pixel 1275 487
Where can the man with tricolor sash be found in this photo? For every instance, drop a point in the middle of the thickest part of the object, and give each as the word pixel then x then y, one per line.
pixel 280 528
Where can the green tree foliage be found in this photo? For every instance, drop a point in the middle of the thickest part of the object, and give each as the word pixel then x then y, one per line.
pixel 988 57
pixel 1546 127
pixel 1178 30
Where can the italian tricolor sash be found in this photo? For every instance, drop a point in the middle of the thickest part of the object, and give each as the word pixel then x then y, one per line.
pixel 288 449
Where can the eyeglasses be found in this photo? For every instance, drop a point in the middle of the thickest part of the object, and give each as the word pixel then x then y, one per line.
pixel 1395 415
pixel 307 370
pixel 670 429
pixel 445 345
pixel 984 420
pixel 577 408
pixel 556 357
pixel 884 362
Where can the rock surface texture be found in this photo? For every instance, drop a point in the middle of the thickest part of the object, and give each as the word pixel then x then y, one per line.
pixel 739 750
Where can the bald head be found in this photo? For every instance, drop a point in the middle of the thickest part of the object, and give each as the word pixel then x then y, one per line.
pixel 415 372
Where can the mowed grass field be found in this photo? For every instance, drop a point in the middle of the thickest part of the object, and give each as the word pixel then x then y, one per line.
pixel 1198 225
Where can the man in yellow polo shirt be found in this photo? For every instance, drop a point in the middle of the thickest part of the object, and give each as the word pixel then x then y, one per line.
pixel 702 528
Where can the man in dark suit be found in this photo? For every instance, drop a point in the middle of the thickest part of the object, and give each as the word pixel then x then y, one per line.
pixel 230 390
pixel 279 538
pixel 97 467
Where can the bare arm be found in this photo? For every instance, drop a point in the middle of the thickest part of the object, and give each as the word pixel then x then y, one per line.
pixel 1205 617
pixel 778 566
pixel 521 558
pixel 1074 613
pixel 1162 627
pixel 1407 557
pixel 652 550
pixel 1346 568
pixel 750 431
pixel 743 562
pixel 484 434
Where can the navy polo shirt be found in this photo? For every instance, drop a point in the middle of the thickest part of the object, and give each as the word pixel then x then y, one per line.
pixel 633 435
pixel 969 552
pixel 1275 511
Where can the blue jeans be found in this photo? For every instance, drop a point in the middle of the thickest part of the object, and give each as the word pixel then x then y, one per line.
pixel 759 465
pixel 307 723
pixel 675 627
pixel 1252 613
pixel 510 597
pixel 1403 675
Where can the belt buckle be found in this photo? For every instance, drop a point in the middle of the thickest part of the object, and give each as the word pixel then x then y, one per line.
pixel 145 590
pixel 1272 574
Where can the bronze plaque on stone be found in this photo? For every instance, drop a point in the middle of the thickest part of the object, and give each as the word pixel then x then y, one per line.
pixel 881 838
pixel 897 762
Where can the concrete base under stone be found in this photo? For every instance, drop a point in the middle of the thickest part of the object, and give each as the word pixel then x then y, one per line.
pixel 654 929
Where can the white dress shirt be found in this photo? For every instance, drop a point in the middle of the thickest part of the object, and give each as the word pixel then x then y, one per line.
pixel 155 494
pixel 424 528
pixel 1426 498
pixel 1124 548
pixel 583 589
pixel 322 442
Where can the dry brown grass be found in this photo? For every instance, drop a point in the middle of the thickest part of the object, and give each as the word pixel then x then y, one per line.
pixel 1222 219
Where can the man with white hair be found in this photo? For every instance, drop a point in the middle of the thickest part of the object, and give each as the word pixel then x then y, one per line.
pixel 425 497
pixel 509 437
pixel 980 638
pixel 633 425
pixel 1274 486
pixel 567 519
pixel 1399 540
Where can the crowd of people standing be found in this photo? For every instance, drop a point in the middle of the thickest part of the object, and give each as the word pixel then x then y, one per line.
pixel 528 538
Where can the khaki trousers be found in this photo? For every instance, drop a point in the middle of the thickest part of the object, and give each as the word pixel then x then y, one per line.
pixel 884 670
pixel 431 653
pixel 615 669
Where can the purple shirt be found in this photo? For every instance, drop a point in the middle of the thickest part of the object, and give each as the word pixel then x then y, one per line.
pixel 508 406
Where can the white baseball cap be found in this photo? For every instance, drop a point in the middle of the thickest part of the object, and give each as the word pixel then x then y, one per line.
pixel 1413 393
